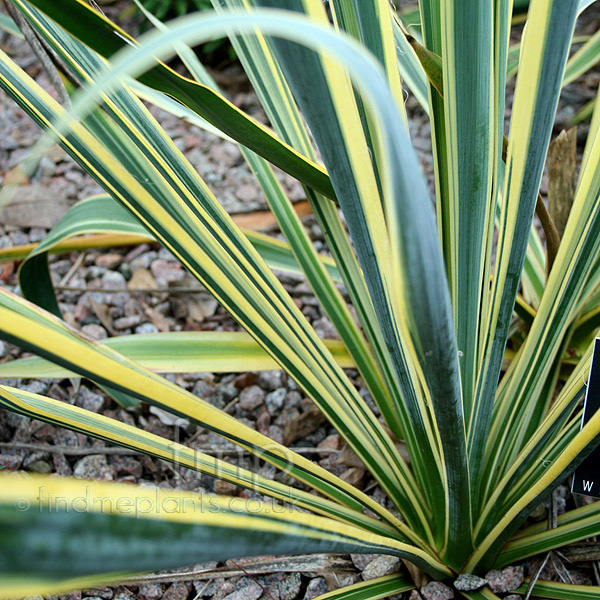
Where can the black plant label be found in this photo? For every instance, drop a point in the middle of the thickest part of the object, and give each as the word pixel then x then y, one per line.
pixel 586 479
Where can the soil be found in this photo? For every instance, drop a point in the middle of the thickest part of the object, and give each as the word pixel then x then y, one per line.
pixel 268 401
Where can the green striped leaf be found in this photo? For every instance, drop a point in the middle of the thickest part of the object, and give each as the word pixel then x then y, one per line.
pixel 176 352
pixel 471 152
pixel 241 297
pixel 543 58
pixel 583 60
pixel 103 215
pixel 106 38
pixel 335 122
pixel 203 237
pixel 113 431
pixel 40 332
pixel 374 589
pixel 10 26
pixel 517 417
pixel 68 528
pixel 556 590
pixel 260 64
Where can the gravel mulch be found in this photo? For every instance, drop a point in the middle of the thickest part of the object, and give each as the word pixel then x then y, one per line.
pixel 172 301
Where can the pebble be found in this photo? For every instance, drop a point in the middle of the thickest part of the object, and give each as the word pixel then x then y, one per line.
pixel 225 488
pixel 506 580
pixel 113 280
pixel 289 587
pixel 316 587
pixel 324 329
pixel 143 261
pixel 466 582
pixel 177 591
pixel 275 400
pixel 270 380
pixel 146 328
pixel 36 234
pixel 94 272
pixel 89 400
pixel 105 593
pixel 4 351
pixel 35 387
pixel 95 331
pixel 247 192
pixel 382 565
pixel 10 462
pixel 110 260
pixel 435 590
pixel 414 595
pixel 127 322
pixel 252 591
pixel 127 465
pixel 61 465
pixel 251 397
pixel 152 591
pixel 166 272
pixel 512 597
pixel 93 466
pixel 65 437
pixel 39 466
pixel 227 392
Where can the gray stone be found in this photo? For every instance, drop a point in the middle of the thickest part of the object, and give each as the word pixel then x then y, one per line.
pixel 144 260
pixel 94 272
pixel 39 466
pixel 204 390
pixel 93 466
pixel 316 587
pixel 104 593
pixel 10 462
pixel 325 330
pixel 251 397
pixel 435 590
pixel 37 234
pixel 152 591
pixel 270 380
pixel 110 260
pixel 252 591
pixel 35 387
pixel 177 591
pixel 512 597
pixel 4 351
pixel 146 328
pixel 227 392
pixel 127 322
pixel 289 587
pixel 466 582
pixel 382 565
pixel 166 272
pixel 275 400
pixel 95 331
pixel 89 400
pixel 114 280
pixel 506 580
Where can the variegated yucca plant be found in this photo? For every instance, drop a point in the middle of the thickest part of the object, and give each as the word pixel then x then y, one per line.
pixel 474 347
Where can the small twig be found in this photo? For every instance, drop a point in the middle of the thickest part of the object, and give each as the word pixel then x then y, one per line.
pixel 201 592
pixel 73 269
pixel 76 451
pixel 259 566
pixel 262 587
pixel 536 576
pixel 550 231
pixel 158 290
pixel 553 512
pixel 67 450
pixel 40 50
